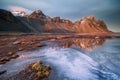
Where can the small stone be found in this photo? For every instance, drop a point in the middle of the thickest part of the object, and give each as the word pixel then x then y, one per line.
pixel 2 72
pixel 10 53
pixel 3 62
pixel 39 74
pixel 46 73
pixel 36 66
pixel 14 56
pixel 20 49
pixel 48 67
pixel 40 62
pixel 16 42
pixel 4 59
pixel 39 45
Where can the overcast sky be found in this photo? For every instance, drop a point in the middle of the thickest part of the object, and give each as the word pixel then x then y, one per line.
pixel 107 10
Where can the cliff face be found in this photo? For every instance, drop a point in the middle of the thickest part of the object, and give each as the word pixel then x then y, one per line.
pixel 41 23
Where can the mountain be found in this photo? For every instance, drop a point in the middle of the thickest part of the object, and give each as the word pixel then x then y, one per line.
pixel 9 23
pixel 90 25
pixel 45 24
pixel 38 22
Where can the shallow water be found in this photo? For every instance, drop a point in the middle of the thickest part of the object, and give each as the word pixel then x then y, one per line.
pixel 74 59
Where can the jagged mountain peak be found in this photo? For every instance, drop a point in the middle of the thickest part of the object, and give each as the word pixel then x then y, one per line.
pixel 37 14
pixel 88 17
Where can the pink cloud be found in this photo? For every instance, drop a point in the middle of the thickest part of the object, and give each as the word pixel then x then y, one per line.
pixel 18 9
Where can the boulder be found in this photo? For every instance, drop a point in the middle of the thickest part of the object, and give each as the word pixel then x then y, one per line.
pixel 56 20
pixel 66 21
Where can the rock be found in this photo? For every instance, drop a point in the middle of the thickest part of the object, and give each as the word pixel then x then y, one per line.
pixel 4 59
pixel 56 20
pixel 14 56
pixel 37 14
pixel 20 49
pixel 2 72
pixel 48 67
pixel 91 17
pixel 48 18
pixel 47 74
pixel 40 75
pixel 39 45
pixel 16 42
pixel 36 66
pixel 10 53
pixel 3 62
pixel 41 70
pixel 68 22
pixel 84 18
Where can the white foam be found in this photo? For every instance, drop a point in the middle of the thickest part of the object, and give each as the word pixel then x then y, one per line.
pixel 71 63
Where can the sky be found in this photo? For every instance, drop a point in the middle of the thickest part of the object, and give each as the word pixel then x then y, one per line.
pixel 107 10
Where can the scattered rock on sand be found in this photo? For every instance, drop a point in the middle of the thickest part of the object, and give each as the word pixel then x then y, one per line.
pixel 8 58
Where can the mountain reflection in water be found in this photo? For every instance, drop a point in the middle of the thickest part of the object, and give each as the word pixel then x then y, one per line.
pixel 84 43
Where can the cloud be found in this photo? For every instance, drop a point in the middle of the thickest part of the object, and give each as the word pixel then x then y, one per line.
pixel 18 8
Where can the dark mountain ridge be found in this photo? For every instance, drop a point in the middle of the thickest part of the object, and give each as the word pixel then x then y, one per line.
pixel 8 22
